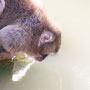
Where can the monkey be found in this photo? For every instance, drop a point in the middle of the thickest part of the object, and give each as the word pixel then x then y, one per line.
pixel 25 27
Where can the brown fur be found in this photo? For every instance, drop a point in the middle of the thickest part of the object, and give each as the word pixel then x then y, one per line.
pixel 24 23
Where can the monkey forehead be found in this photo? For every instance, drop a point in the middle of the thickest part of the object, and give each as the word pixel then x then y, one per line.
pixel 38 2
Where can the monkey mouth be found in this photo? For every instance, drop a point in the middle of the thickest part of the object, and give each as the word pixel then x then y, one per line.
pixel 41 58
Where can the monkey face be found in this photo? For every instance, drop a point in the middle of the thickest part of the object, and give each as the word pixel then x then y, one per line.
pixel 49 42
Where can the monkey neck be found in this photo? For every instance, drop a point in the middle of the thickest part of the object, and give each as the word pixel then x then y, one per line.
pixel 15 9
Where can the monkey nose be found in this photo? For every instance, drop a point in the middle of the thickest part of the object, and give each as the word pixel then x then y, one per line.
pixel 44 56
pixel 41 58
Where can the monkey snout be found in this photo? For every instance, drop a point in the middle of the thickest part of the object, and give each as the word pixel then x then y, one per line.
pixel 44 56
pixel 41 58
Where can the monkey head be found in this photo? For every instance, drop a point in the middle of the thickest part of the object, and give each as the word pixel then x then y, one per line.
pixel 49 43
pixel 46 38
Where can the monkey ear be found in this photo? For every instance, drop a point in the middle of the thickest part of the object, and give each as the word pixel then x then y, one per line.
pixel 46 37
pixel 2 6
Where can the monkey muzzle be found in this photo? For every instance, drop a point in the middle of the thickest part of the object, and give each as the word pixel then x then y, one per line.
pixel 41 58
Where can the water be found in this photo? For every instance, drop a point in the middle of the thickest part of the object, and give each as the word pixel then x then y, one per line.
pixel 70 68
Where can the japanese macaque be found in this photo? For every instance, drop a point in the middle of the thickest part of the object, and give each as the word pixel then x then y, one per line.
pixel 24 27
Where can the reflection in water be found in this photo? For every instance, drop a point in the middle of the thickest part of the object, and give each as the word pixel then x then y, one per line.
pixel 20 68
pixel 5 73
pixel 33 79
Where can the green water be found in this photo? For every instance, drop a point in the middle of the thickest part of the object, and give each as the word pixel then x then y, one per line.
pixel 70 68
